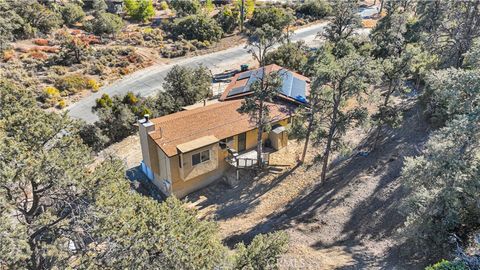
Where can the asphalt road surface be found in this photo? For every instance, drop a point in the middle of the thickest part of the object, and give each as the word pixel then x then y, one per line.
pixel 147 82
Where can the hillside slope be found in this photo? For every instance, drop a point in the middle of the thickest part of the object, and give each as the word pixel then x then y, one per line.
pixel 350 221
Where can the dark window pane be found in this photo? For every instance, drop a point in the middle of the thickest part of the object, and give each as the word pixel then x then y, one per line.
pixel 195 159
pixel 205 156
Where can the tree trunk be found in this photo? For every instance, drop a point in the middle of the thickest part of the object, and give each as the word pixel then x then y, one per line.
pixel 326 155
pixel 382 116
pixel 259 136
pixel 331 132
pixel 307 137
pixel 34 263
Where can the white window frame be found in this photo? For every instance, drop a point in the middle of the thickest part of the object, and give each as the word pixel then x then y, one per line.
pixel 200 157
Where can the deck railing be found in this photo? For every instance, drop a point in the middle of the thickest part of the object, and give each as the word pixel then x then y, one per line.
pixel 242 163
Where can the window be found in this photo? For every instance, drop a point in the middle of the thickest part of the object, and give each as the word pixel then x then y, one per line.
pixel 225 143
pixel 200 157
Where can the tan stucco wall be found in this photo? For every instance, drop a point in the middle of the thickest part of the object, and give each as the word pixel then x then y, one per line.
pixel 190 178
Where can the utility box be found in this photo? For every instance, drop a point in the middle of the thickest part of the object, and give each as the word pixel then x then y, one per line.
pixel 278 137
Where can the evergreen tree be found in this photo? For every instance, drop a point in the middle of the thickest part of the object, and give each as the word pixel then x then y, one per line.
pixel 188 85
pixel 43 178
pixel 257 105
pixel 450 28
pixel 340 80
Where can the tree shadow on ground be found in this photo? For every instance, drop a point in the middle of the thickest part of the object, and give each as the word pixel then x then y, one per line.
pixel 240 199
pixel 141 184
pixel 374 216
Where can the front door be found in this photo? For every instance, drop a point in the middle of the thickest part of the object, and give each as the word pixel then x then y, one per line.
pixel 242 142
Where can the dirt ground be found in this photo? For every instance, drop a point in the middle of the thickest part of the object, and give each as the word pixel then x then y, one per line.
pixel 348 222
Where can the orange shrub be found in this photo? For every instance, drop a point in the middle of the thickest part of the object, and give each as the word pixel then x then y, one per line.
pixel 91 39
pixel 76 32
pixel 369 23
pixel 124 71
pixel 40 42
pixel 8 55
pixel 39 55
pixel 47 49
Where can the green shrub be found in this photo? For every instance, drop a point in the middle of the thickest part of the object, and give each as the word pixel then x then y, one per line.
pixel 198 27
pixel 72 13
pixel 104 102
pixel 163 5
pixel 228 19
pixel 105 24
pixel 185 7
pixel 71 84
pixel 99 5
pixel 290 55
pixel 316 9
pixel 141 10
pixel 36 17
pixel 130 99
pixel 278 18
pixel 447 265
pixel 262 253
pixel 188 85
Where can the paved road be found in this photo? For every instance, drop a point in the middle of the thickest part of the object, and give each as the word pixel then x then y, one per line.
pixel 149 81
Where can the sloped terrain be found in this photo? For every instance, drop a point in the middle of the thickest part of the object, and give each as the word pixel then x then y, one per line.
pixel 348 222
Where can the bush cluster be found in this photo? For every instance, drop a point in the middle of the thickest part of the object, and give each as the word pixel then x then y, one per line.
pixel 314 9
pixel 71 84
pixel 199 27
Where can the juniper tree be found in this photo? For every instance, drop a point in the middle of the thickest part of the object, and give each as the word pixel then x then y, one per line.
pixel 345 20
pixel 58 211
pixel 450 28
pixel 308 114
pixel 188 85
pixel 340 80
pixel 42 179
pixel 261 41
pixel 390 48
pixel 444 183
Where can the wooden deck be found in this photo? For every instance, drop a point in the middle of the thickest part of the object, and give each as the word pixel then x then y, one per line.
pixel 249 159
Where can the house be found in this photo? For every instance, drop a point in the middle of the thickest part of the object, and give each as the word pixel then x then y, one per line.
pixel 188 150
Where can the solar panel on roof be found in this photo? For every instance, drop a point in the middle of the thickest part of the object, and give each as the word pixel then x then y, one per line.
pixel 245 75
pixel 287 83
pixel 236 91
pixel 255 76
pixel 291 86
pixel 299 88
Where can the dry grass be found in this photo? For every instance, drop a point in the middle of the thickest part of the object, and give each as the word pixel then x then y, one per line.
pixel 369 23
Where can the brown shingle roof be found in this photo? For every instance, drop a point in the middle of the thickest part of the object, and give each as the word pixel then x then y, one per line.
pixel 270 68
pixel 221 120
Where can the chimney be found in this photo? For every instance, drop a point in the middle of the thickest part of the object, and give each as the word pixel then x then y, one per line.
pixel 145 124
